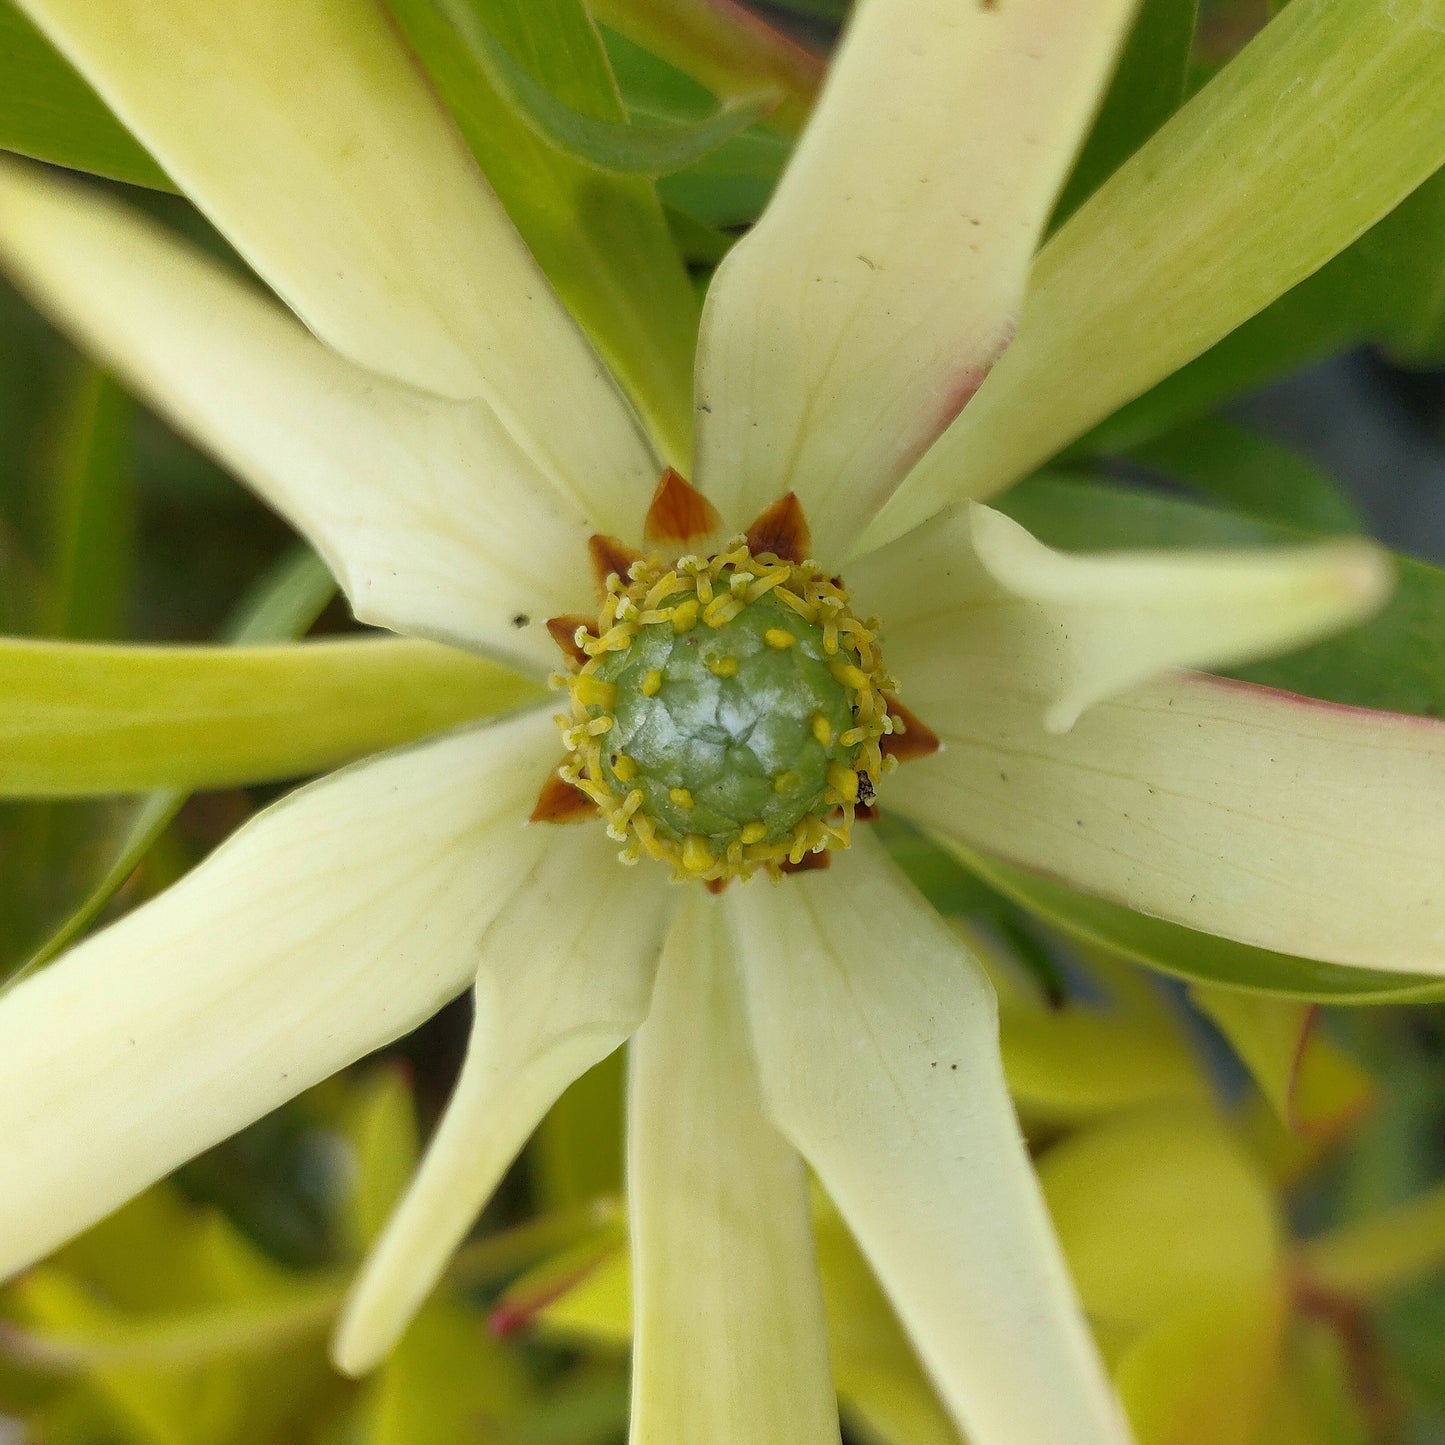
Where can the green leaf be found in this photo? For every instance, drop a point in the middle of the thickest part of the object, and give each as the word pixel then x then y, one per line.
pixel 1251 473
pixel 1387 288
pixel 602 240
pixel 82 718
pixel 1186 953
pixel 1328 119
pixel 49 112
pixel 94 509
pixel 615 147
pixel 283 606
pixel 726 188
pixel 730 51
pixel 1146 90
pixel 1394 662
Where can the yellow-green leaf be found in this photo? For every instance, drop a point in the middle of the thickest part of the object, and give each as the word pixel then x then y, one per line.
pixel 81 718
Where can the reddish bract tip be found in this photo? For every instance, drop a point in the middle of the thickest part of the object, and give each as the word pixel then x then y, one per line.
pixel 678 512
pixel 917 740
pixel 608 556
pixel 808 863
pixel 563 631
pixel 715 885
pixel 782 530
pixel 560 802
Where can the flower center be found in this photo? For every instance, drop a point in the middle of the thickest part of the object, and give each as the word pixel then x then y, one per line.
pixel 729 713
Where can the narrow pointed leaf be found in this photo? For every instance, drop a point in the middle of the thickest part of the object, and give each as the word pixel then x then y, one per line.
pixel 80 718
pixel 282 607
pixel 876 1037
pixel 360 206
pixel 1391 662
pixel 1253 185
pixel 1270 819
pixel 603 241
pixel 94 513
pixel 848 329
pixel 564 976
pixel 1073 629
pixel 1193 954
pixel 47 111
pixel 383 479
pixel 333 922
pixel 728 1335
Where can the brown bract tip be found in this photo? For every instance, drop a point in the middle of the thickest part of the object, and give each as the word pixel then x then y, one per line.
pixel 715 885
pixel 782 530
pixel 608 556
pixel 564 633
pixel 560 802
pixel 808 863
pixel 915 740
pixel 678 512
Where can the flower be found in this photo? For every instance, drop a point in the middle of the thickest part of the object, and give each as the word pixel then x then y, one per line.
pixel 453 447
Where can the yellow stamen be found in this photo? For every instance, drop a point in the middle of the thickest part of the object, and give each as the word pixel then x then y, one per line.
pixel 681 797
pixel 787 782
pixel 823 730
pixel 684 615
pixel 850 675
pixel 651 683
pixel 592 691
pixel 723 667
pixel 843 781
pixel 696 857
pixel 779 637
pixel 753 832
pixel 624 767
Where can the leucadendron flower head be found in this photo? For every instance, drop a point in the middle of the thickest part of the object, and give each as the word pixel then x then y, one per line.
pixel 443 434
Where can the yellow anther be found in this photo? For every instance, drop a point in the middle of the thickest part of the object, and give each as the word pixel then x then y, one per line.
pixel 779 637
pixel 624 767
pixel 843 781
pixel 684 615
pixel 788 782
pixel 721 610
pixel 681 797
pixel 822 730
pixel 592 691
pixel 723 667
pixel 850 675
pixel 696 856
pixel 651 683
pixel 753 832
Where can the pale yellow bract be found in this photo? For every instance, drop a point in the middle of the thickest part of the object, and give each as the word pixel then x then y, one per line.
pixel 438 427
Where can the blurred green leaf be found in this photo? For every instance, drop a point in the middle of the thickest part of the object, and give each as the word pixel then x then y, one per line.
pixel 731 51
pixel 615 147
pixel 49 112
pixel 94 509
pixel 1251 473
pixel 730 186
pixel 1394 662
pixel 1189 954
pixel 1146 90
pixel 602 240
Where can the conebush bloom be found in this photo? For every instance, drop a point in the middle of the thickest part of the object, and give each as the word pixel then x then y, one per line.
pixel 819 624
